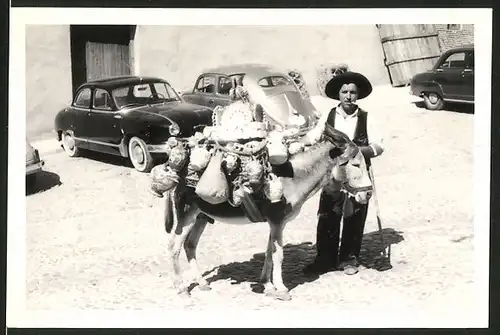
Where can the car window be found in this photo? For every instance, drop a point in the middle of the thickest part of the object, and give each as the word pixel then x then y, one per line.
pixel 206 84
pixel 142 91
pixel 274 81
pixel 470 60
pixel 164 92
pixel 83 98
pixel 102 100
pixel 224 85
pixel 142 94
pixel 454 61
pixel 238 77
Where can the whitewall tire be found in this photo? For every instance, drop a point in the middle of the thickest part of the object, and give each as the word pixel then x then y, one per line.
pixel 139 155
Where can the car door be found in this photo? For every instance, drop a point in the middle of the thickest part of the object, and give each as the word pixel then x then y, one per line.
pixel 206 89
pixel 224 86
pixel 467 88
pixel 106 133
pixel 80 125
pixel 449 74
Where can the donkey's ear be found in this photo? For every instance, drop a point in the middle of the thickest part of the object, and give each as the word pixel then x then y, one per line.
pixel 336 136
pixel 335 152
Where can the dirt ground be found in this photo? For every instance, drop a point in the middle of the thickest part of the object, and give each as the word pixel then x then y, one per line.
pixel 95 238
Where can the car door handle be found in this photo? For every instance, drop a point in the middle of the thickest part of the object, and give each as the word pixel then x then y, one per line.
pixel 118 117
pixel 210 101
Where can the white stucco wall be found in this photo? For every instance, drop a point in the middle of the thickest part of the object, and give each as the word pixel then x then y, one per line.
pixel 48 75
pixel 179 53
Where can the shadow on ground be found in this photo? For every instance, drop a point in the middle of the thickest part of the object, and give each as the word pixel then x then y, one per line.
pixel 451 107
pixel 42 181
pixel 111 159
pixel 297 256
pixel 373 247
pixel 105 158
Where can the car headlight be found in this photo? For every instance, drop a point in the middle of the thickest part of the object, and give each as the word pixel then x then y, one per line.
pixel 174 129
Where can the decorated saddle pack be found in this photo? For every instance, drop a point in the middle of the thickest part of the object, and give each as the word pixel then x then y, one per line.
pixel 230 159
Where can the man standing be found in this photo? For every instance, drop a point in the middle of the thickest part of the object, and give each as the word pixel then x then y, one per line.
pixel 347 117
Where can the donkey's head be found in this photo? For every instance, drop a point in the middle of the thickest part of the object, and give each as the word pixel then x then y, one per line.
pixel 349 171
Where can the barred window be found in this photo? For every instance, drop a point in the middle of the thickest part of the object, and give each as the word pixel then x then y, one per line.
pixel 454 26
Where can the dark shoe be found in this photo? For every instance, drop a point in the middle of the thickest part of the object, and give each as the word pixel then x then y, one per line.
pixel 350 266
pixel 319 267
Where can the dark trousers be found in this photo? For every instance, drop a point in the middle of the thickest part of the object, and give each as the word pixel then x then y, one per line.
pixel 328 231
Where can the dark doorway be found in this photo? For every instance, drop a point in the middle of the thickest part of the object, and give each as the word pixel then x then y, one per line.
pixel 100 51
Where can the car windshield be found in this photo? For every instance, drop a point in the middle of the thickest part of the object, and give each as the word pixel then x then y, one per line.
pixel 266 82
pixel 144 94
pixel 273 81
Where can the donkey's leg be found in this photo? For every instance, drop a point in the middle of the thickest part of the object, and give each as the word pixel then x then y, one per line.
pixel 169 219
pixel 277 240
pixel 190 246
pixel 185 222
pixel 265 277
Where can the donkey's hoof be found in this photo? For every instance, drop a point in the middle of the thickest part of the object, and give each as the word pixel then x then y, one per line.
pixel 270 291
pixel 283 295
pixel 184 293
pixel 204 287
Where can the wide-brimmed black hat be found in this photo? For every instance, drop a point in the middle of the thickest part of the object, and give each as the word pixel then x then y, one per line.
pixel 364 86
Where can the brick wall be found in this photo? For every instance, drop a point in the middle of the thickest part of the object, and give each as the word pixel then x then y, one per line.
pixel 451 38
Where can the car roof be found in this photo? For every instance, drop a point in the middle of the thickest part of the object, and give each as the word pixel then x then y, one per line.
pixel 251 69
pixel 120 81
pixel 465 47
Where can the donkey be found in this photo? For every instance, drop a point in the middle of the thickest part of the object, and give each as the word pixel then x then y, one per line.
pixel 336 161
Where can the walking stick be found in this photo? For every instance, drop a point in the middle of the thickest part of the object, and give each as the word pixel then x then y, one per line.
pixel 377 209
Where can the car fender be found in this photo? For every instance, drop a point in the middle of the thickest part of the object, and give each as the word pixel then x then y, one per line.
pixel 152 130
pixel 430 86
pixel 190 97
pixel 64 121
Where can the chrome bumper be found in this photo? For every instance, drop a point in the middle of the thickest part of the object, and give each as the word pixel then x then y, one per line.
pixel 158 148
pixel 34 167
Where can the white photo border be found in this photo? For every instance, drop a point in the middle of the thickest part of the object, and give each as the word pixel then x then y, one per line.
pixel 19 316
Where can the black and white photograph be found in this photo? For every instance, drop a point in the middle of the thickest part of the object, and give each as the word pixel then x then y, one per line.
pixel 197 168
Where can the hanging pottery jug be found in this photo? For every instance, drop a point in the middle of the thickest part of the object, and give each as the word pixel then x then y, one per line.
pixel 238 194
pixel 295 148
pixel 177 158
pixel 231 162
pixel 254 171
pixel 163 179
pixel 278 153
pixel 199 158
pixel 273 188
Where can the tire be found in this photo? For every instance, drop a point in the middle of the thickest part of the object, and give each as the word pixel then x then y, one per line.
pixel 69 145
pixel 30 181
pixel 433 101
pixel 139 155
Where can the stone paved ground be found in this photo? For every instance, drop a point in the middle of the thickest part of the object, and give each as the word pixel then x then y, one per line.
pixel 95 237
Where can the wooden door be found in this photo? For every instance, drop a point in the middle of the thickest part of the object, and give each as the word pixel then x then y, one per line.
pixel 104 60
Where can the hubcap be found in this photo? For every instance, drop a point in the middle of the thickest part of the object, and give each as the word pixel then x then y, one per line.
pixel 433 98
pixel 69 142
pixel 138 154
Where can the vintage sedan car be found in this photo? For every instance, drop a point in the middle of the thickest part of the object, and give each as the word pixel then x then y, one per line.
pixel 128 116
pixel 450 80
pixel 34 164
pixel 212 88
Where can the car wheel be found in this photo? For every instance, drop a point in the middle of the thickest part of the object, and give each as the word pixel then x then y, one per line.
pixel 433 101
pixel 69 145
pixel 139 155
